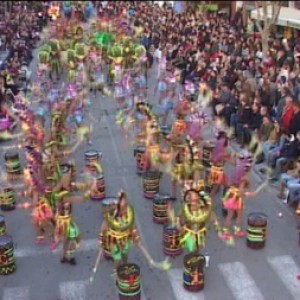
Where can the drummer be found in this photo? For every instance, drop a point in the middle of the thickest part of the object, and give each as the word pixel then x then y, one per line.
pixel 118 232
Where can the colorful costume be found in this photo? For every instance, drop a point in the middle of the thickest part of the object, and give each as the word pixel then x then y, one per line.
pixel 233 200
pixel 120 234
pixel 66 232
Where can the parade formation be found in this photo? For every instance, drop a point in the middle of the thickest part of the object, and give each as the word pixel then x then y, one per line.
pixel 96 53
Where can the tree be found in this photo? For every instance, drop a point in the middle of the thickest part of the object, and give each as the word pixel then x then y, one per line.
pixel 268 13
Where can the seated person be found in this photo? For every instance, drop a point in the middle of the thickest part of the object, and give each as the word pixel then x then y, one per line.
pixel 254 124
pixel 274 153
pixel 272 142
pixel 4 108
pixel 291 181
pixel 289 154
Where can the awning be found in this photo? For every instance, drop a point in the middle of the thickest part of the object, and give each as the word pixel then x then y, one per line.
pixel 288 16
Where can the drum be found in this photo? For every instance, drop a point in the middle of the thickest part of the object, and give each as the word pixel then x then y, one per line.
pixel 171 241
pixel 7 200
pixel 206 156
pixel 257 230
pixel 129 282
pixel 160 215
pixel 139 154
pixel 92 157
pixel 7 260
pixel 12 163
pixel 99 193
pixel 151 183
pixel 2 226
pixel 193 275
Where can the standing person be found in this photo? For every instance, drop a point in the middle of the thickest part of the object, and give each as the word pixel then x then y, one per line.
pixel 289 154
pixel 233 201
pixel 66 232
pixel 119 233
pixel 196 211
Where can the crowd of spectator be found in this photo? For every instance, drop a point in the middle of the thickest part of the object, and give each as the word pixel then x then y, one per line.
pixel 20 26
pixel 257 94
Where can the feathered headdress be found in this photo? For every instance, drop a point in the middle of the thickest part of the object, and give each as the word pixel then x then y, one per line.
pixel 219 152
pixel 243 166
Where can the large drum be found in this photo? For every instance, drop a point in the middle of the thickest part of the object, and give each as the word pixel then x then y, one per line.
pixel 91 158
pixel 129 282
pixel 193 275
pixel 257 230
pixel 99 193
pixel 206 156
pixel 2 226
pixel 160 203
pixel 139 154
pixel 171 240
pixel 151 183
pixel 7 260
pixel 12 164
pixel 7 199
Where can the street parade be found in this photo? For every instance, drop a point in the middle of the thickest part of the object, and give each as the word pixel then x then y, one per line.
pixel 145 128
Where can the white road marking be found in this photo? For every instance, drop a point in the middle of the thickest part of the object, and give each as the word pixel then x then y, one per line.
pixel 176 280
pixel 86 245
pixel 16 293
pixel 240 282
pixel 114 144
pixel 125 182
pixel 73 290
pixel 287 270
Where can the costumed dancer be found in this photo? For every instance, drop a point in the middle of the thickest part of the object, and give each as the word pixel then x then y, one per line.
pixel 220 155
pixel 119 233
pixel 42 218
pixel 177 139
pixel 66 232
pixel 152 145
pixel 192 167
pixel 162 86
pixel 196 210
pixel 233 201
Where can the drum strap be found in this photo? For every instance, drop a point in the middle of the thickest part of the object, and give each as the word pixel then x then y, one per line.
pixel 199 236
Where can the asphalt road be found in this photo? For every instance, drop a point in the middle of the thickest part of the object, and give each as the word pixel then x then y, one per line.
pixel 234 273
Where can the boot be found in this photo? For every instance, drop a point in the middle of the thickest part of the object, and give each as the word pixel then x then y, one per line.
pixel 64 260
pixel 72 261
pixel 239 232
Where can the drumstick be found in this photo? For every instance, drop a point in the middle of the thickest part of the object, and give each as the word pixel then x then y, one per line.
pixel 146 254
pixel 261 187
pixel 96 265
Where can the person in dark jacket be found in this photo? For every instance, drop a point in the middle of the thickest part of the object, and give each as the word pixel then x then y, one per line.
pixel 254 123
pixel 243 118
pixel 289 154
pixel 295 125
